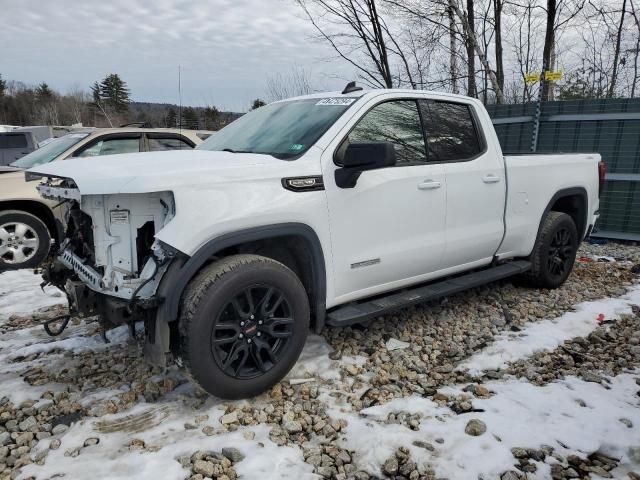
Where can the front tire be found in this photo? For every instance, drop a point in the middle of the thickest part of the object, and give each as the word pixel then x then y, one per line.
pixel 24 240
pixel 243 324
pixel 555 251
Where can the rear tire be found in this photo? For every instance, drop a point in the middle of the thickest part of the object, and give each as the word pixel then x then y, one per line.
pixel 243 324
pixel 24 240
pixel 555 251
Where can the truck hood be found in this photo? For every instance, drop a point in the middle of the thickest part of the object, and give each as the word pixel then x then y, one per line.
pixel 160 171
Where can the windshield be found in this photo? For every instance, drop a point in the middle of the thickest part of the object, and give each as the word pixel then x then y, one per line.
pixel 49 151
pixel 283 129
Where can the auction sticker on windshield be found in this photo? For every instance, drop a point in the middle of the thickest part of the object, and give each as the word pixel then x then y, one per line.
pixel 336 101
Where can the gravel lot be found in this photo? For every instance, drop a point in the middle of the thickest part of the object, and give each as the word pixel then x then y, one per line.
pixel 498 382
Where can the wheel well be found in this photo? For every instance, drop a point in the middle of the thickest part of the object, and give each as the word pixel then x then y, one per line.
pixel 574 206
pixel 38 209
pixel 293 251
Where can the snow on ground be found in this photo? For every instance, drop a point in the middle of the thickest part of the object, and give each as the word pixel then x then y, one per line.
pixel 518 414
pixel 548 334
pixel 20 294
pixel 113 459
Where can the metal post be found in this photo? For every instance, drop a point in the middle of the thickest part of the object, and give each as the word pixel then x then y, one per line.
pixel 536 118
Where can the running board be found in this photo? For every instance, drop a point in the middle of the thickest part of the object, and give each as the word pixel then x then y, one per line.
pixel 360 312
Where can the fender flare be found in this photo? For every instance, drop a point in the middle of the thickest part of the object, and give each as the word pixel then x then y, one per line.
pixel 176 279
pixel 568 192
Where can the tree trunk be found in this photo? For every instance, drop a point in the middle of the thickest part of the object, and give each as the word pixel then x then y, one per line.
pixel 471 37
pixel 497 17
pixel 616 54
pixel 549 39
pixel 453 66
pixel 471 56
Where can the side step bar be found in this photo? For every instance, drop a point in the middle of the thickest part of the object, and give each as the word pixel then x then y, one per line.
pixel 359 312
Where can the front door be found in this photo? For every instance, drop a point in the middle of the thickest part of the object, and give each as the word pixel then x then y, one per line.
pixel 389 230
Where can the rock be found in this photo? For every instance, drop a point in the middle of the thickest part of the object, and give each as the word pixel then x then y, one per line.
pixel 24 438
pixel 136 444
pixel 91 441
pixel 292 426
pixel 249 435
pixel 599 471
pixel 55 444
pixel 233 454
pixel 510 475
pixel 475 428
pixel 395 344
pixel 28 424
pixel 229 418
pixel 591 377
pixel 421 444
pixel 626 422
pixel 390 466
pixel 59 429
pixel 5 439
pixel 519 452
pixel 203 468
pixel 481 391
pixel 208 430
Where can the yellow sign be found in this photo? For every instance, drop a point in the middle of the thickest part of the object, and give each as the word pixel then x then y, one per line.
pixel 532 77
pixel 549 76
pixel 552 76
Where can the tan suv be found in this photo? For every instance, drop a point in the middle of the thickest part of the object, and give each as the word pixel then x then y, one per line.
pixel 28 223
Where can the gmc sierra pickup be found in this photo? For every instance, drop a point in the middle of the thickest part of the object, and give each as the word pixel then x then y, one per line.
pixel 327 209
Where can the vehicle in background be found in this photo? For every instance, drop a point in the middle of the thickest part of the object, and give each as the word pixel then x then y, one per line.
pixel 28 223
pixel 327 209
pixel 21 141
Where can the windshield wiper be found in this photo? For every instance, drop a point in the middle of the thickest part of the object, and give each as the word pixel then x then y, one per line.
pixel 236 151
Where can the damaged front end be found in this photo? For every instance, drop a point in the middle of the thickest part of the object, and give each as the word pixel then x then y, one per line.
pixel 110 264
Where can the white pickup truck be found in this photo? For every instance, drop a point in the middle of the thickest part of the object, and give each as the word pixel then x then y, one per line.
pixel 322 210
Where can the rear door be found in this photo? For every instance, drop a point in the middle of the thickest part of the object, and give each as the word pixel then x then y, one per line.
pixel 476 187
pixel 158 142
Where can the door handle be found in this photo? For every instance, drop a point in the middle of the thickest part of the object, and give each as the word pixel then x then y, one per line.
pixel 429 185
pixel 490 179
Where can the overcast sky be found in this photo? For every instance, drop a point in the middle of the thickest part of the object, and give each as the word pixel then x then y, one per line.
pixel 226 48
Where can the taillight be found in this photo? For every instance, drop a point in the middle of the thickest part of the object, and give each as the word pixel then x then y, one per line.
pixel 602 172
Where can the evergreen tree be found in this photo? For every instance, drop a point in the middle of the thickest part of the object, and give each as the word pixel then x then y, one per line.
pixel 44 93
pixel 190 118
pixel 171 119
pixel 114 92
pixel 3 86
pixel 211 118
pixel 95 93
pixel 257 103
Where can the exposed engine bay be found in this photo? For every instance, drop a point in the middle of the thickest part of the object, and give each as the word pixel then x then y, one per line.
pixel 109 262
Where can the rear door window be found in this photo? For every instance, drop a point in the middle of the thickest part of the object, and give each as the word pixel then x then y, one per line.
pixel 158 143
pixel 450 130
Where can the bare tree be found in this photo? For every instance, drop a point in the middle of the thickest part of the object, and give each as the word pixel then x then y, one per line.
pixel 616 55
pixel 497 21
pixel 354 29
pixel 471 37
pixel 292 84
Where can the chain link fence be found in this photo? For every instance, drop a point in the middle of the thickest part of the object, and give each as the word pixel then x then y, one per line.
pixel 609 127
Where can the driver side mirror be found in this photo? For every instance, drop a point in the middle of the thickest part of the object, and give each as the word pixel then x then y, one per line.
pixel 359 157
